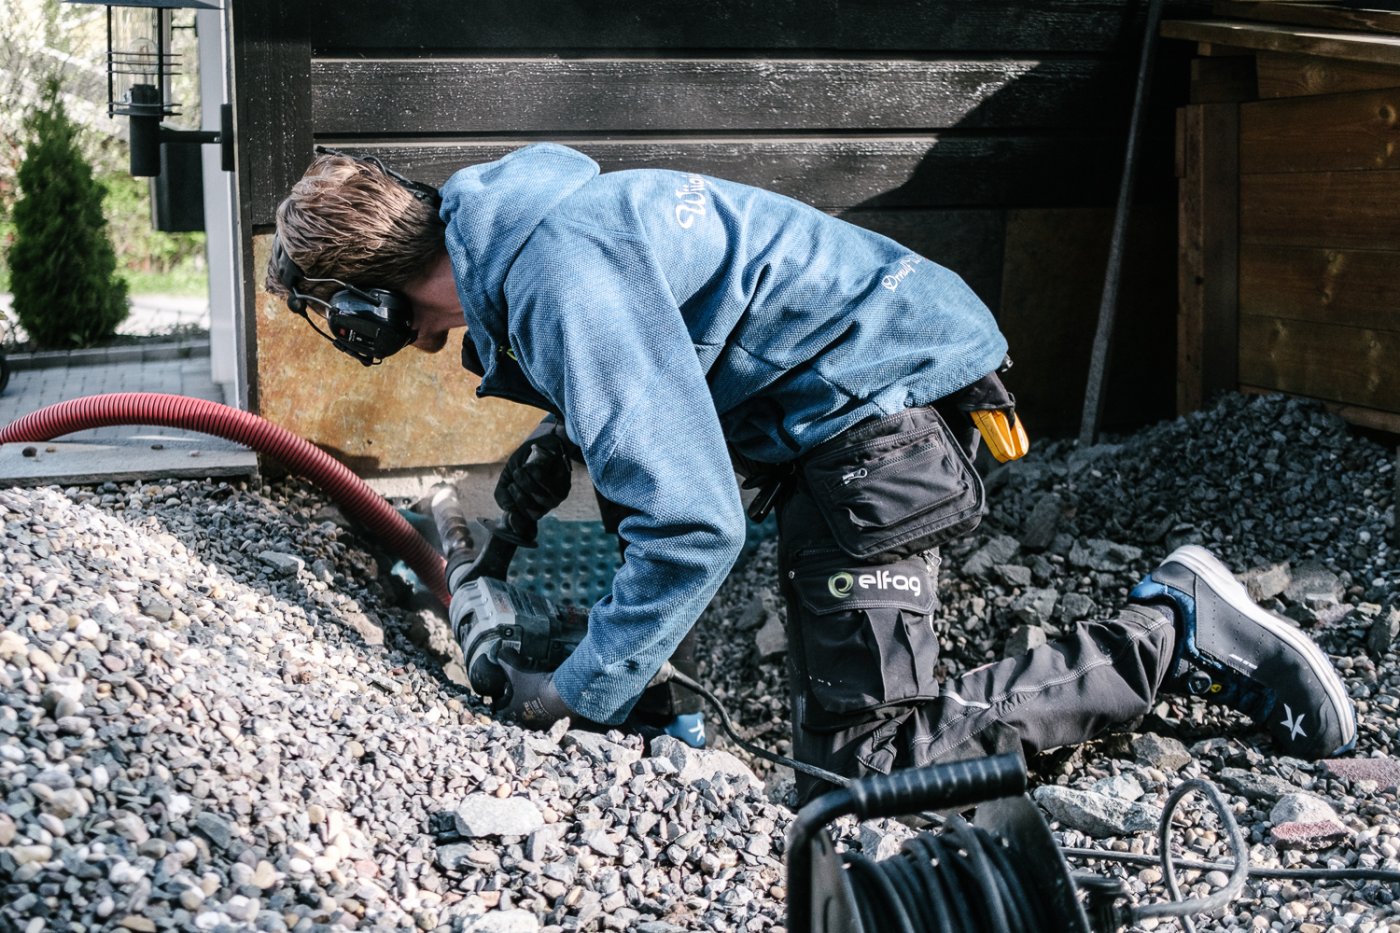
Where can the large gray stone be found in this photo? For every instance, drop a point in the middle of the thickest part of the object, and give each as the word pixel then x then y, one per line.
pixel 485 815
pixel 1098 815
pixel 1160 751
pixel 693 764
pixel 1102 554
pixel 997 550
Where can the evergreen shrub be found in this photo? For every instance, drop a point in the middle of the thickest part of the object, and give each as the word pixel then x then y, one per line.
pixel 62 265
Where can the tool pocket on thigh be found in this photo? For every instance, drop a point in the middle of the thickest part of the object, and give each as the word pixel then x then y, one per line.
pixel 902 484
pixel 867 637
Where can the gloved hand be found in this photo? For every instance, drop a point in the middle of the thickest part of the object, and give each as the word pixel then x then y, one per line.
pixel 535 479
pixel 531 700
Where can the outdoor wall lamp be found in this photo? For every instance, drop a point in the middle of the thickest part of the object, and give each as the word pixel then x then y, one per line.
pixel 140 64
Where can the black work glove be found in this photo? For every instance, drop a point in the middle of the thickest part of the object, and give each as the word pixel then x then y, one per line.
pixel 535 479
pixel 531 700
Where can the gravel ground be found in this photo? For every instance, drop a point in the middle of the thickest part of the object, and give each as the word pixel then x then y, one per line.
pixel 218 715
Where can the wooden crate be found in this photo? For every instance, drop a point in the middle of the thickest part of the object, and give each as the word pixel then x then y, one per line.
pixel 1289 160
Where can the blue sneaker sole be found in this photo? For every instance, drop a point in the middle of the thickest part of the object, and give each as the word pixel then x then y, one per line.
pixel 1218 577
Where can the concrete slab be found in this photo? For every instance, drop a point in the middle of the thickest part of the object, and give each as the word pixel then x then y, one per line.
pixel 77 464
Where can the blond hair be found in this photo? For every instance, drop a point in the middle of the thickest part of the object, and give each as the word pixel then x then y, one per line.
pixel 347 219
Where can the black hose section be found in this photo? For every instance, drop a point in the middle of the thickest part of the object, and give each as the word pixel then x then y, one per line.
pixel 821 774
pixel 1276 874
pixel 1178 907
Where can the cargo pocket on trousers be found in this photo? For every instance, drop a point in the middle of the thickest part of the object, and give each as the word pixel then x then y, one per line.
pixel 867 638
pixel 902 483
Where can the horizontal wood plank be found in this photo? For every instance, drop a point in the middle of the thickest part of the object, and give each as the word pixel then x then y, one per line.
pixel 873 25
pixel 1350 365
pixel 1301 75
pixel 1326 16
pixel 1338 132
pixel 1359 288
pixel 1336 210
pixel 838 174
pixel 464 95
pixel 1350 46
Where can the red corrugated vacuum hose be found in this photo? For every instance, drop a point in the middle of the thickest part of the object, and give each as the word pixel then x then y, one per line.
pixel 359 503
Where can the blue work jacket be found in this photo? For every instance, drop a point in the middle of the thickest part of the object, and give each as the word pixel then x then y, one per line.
pixel 667 317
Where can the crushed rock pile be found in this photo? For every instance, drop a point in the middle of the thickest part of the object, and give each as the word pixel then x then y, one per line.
pixel 218 715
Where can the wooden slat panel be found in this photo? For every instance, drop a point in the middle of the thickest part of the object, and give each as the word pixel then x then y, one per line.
pixel 1053 280
pixel 1208 232
pixel 1355 287
pixel 836 174
pixel 1340 210
pixel 874 25
pixel 1223 80
pixel 1328 16
pixel 1338 132
pixel 1300 75
pixel 1350 46
pixel 456 95
pixel 1352 365
pixel 272 101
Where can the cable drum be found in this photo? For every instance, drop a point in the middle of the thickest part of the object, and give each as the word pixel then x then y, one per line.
pixel 1004 873
pixel 964 880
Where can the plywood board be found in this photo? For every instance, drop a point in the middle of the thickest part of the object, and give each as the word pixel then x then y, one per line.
pixel 414 410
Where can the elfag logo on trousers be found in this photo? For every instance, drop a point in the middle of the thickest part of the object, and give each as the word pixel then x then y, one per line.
pixel 842 584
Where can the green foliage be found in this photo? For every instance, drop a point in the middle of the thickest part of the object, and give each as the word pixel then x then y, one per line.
pixel 62 265
pixel 142 250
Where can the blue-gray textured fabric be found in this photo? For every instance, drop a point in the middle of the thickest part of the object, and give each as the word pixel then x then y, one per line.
pixel 666 315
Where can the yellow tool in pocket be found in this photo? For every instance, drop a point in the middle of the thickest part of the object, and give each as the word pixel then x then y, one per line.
pixel 1003 433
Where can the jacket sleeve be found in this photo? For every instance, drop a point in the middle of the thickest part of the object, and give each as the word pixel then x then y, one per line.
pixel 597 331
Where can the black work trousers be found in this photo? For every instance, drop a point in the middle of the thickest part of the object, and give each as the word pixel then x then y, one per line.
pixel 862 653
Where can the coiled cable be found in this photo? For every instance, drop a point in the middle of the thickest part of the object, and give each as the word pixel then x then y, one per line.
pixel 959 881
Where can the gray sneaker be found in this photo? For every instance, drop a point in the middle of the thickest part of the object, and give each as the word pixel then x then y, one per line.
pixel 1230 650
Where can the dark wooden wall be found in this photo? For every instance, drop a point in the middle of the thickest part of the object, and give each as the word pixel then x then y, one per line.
pixel 981 133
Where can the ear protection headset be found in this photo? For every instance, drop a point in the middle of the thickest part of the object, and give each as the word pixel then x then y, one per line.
pixel 366 323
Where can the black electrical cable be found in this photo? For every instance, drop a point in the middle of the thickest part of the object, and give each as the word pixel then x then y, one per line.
pixel 1255 871
pixel 1183 909
pixel 820 774
pixel 959 881
pixel 928 874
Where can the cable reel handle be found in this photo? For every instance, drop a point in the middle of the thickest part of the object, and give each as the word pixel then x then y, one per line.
pixel 940 786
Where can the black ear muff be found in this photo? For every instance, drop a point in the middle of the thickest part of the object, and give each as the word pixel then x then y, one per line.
pixel 370 323
pixel 289 274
